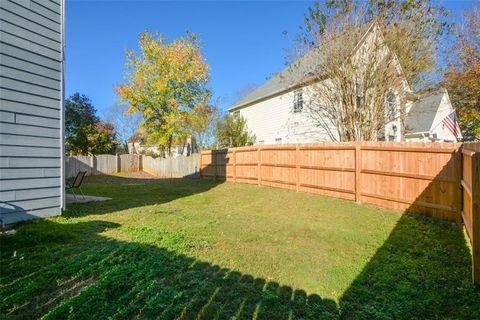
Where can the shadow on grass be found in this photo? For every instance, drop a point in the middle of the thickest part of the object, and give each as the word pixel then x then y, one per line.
pixel 74 270
pixel 422 271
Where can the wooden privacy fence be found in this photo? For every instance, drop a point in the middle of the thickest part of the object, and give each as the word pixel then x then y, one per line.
pixel 471 202
pixel 441 180
pixel 107 163
pixel 178 167
pixel 103 164
pixel 423 177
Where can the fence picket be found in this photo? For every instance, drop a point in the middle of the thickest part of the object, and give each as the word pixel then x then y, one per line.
pixel 470 183
pixel 416 176
pixel 107 164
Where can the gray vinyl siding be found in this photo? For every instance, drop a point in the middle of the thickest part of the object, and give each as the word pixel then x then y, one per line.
pixel 31 109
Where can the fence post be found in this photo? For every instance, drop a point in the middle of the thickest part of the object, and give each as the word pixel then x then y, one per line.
pixel 459 176
pixel 93 165
pixel 259 166
pixel 117 170
pixel 234 165
pixel 214 162
pixel 297 167
pixel 358 170
pixel 200 164
pixel 67 167
pixel 476 217
pixel 140 162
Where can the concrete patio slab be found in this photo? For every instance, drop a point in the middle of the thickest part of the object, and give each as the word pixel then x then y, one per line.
pixel 79 199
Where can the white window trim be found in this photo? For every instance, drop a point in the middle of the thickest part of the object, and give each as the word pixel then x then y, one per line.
pixel 298 98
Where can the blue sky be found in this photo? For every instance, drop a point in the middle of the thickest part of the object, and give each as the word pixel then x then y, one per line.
pixel 243 41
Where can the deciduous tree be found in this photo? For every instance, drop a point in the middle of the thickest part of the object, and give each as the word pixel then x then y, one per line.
pixel 166 82
pixel 348 79
pixel 203 127
pixel 84 132
pixel 357 83
pixel 414 29
pixel 102 139
pixel 125 123
pixel 462 78
pixel 232 132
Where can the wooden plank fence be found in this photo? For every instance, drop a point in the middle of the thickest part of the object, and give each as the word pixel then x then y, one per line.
pixel 129 163
pixel 441 180
pixel 102 164
pixel 106 164
pixel 178 167
pixel 420 177
pixel 471 202
pixel 79 163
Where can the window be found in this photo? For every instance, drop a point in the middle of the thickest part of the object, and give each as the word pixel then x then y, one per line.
pixel 278 140
pixel 391 111
pixel 261 142
pixel 358 88
pixel 297 101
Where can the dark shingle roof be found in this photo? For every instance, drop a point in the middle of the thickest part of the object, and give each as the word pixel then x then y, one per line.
pixel 292 76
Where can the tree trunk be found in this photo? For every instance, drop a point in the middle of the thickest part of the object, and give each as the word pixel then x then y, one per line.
pixel 170 141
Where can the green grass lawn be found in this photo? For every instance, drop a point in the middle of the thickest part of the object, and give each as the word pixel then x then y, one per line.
pixel 202 249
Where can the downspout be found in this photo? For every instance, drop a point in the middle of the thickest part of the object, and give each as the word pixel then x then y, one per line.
pixel 62 113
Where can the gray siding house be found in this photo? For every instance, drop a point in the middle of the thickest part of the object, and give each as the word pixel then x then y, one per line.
pixel 31 109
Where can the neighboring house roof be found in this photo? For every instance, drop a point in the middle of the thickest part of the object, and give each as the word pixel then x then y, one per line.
pixel 289 78
pixel 294 75
pixel 423 111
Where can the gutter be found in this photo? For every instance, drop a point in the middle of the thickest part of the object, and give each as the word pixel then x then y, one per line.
pixel 278 92
pixel 275 93
pixel 62 116
pixel 422 133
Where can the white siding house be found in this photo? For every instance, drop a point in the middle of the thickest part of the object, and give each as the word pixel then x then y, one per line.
pixel 31 109
pixel 275 120
pixel 425 119
pixel 274 112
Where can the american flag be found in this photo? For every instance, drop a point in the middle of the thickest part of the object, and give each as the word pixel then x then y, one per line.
pixel 451 123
